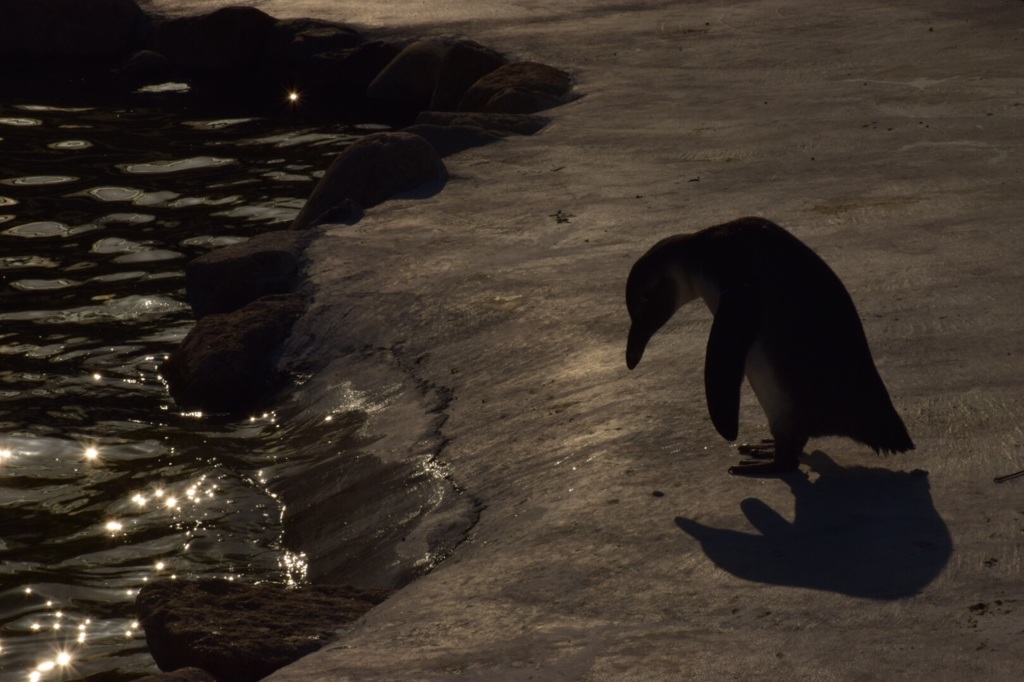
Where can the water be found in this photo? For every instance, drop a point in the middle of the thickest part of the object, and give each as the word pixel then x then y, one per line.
pixel 104 484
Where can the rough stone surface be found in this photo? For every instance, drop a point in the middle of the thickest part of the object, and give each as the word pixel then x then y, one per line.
pixel 227 38
pixel 182 675
pixel 523 76
pixel 226 362
pixel 522 124
pixel 373 169
pixel 67 28
pixel 448 140
pixel 411 77
pixel 294 42
pixel 464 63
pixel 242 633
pixel 226 279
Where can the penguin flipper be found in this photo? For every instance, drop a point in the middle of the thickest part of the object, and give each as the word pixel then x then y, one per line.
pixel 732 334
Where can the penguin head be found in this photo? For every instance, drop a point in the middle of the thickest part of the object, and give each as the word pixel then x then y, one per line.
pixel 656 288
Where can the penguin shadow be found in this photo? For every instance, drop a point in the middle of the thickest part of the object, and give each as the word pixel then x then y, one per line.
pixel 860 531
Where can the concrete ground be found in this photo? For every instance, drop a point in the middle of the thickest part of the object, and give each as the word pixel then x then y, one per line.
pixel 614 545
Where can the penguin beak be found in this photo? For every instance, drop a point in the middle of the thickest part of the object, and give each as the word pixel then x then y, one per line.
pixel 635 344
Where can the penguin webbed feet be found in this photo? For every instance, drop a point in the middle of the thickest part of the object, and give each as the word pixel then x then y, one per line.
pixel 763 450
pixel 783 460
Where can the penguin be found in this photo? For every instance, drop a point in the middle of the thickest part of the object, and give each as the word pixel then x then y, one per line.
pixel 784 320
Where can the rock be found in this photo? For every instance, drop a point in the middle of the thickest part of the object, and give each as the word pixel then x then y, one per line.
pixel 227 38
pixel 524 76
pixel 410 78
pixel 67 28
pixel 242 633
pixel 345 213
pixel 464 63
pixel 340 77
pixel 371 170
pixel 182 675
pixel 521 101
pixel 448 140
pixel 226 279
pixel 292 42
pixel 226 362
pixel 144 64
pixel 522 124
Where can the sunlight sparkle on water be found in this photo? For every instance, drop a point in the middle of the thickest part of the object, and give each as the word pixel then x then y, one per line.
pixel 91 453
pixel 61 660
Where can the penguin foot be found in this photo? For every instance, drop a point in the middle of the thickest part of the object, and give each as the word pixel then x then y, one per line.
pixel 752 467
pixel 784 458
pixel 763 450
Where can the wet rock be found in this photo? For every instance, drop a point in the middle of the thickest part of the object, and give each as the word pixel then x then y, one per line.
pixel 464 63
pixel 521 101
pixel 227 38
pixel 182 675
pixel 226 279
pixel 522 124
pixel 67 28
pixel 342 76
pixel 372 170
pixel 292 42
pixel 448 140
pixel 345 213
pixel 226 362
pixel 144 64
pixel 411 76
pixel 242 633
pixel 525 77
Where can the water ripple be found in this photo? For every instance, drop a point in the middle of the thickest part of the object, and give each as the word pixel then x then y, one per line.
pixel 39 180
pixel 104 485
pixel 118 309
pixel 42 228
pixel 115 193
pixel 19 122
pixel 70 144
pixel 176 165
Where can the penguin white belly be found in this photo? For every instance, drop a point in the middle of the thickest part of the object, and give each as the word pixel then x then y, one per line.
pixel 767 389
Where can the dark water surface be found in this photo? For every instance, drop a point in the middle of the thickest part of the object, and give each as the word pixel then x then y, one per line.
pixel 104 484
